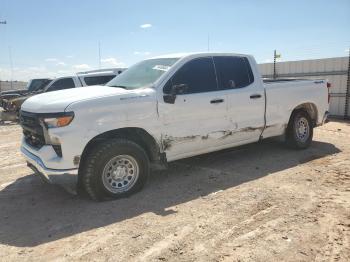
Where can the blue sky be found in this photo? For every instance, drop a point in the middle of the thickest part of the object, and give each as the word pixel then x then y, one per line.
pixel 56 37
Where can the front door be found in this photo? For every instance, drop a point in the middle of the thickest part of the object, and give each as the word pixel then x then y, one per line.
pixel 197 120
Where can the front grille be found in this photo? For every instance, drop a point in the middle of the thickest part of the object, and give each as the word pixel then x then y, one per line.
pixel 32 129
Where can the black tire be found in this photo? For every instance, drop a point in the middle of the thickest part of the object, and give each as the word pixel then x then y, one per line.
pixel 295 137
pixel 95 171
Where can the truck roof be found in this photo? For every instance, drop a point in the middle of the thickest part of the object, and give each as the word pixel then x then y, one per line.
pixel 102 71
pixel 98 72
pixel 197 54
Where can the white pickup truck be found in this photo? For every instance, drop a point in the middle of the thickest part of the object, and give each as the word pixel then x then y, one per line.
pixel 104 140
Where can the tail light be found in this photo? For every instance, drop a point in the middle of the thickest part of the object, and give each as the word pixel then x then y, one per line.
pixel 329 95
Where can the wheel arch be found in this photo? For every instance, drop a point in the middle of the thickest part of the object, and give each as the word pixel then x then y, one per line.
pixel 310 108
pixel 137 135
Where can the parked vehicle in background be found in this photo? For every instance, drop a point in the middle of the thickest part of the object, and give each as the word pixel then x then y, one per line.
pixel 105 139
pixel 88 78
pixel 33 85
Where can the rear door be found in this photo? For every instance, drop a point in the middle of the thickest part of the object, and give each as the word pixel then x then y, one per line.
pixel 197 119
pixel 245 98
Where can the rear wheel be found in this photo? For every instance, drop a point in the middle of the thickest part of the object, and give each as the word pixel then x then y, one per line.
pixel 299 130
pixel 116 168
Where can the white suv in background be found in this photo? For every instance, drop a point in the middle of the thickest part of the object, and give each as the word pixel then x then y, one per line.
pixel 88 78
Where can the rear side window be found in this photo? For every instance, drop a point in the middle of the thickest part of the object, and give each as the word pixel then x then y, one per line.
pixel 233 72
pixel 198 75
pixel 61 84
pixel 97 80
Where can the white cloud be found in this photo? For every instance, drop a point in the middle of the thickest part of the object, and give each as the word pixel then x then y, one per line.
pixel 40 71
pixel 69 56
pixel 111 61
pixel 145 26
pixel 56 61
pixel 65 72
pixel 81 67
pixel 142 53
pixel 36 68
pixel 61 64
pixel 51 60
pixel 25 74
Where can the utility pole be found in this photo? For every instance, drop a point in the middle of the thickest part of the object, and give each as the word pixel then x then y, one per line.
pixel 275 56
pixel 274 64
pixel 208 43
pixel 4 22
pixel 11 64
pixel 99 54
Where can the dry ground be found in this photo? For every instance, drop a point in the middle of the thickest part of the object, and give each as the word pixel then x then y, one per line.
pixel 261 202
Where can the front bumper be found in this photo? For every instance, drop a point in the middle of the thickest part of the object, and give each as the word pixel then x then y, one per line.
pixel 66 178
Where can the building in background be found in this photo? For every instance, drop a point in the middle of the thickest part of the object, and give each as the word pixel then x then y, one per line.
pixel 335 70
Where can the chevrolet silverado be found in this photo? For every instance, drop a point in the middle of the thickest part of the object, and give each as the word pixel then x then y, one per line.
pixel 104 140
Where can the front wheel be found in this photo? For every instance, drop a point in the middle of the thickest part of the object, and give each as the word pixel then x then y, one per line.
pixel 300 130
pixel 116 168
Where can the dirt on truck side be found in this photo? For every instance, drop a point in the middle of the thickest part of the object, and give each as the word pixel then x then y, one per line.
pixel 259 202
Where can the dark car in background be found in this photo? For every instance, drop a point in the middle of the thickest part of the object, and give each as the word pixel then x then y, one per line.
pixel 33 85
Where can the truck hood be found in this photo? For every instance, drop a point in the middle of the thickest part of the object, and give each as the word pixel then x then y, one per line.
pixel 58 101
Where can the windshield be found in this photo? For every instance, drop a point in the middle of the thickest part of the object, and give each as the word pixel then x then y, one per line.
pixel 37 84
pixel 142 74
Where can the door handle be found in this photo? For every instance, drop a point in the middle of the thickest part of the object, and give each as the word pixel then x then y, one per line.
pixel 216 101
pixel 255 96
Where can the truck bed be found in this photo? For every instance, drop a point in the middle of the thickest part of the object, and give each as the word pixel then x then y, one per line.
pixel 281 95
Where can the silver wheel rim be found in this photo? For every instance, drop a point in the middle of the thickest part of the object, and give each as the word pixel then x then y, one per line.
pixel 120 174
pixel 302 129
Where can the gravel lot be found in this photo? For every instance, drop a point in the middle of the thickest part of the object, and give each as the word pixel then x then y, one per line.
pixel 260 202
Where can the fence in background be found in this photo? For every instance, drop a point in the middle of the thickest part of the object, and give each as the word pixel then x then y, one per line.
pixel 8 85
pixel 336 70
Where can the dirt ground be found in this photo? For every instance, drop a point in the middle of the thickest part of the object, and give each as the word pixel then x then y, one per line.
pixel 260 202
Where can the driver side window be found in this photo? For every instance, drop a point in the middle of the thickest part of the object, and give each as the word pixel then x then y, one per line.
pixel 198 75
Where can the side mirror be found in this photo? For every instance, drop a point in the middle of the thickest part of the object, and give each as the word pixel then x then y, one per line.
pixel 179 89
pixel 174 91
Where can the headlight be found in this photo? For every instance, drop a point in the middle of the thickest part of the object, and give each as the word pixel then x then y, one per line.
pixel 58 121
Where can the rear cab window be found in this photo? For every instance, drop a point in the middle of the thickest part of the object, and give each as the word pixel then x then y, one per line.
pixel 64 83
pixel 97 80
pixel 198 74
pixel 233 72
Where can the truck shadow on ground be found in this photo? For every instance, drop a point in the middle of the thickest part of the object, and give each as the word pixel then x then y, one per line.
pixel 34 213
